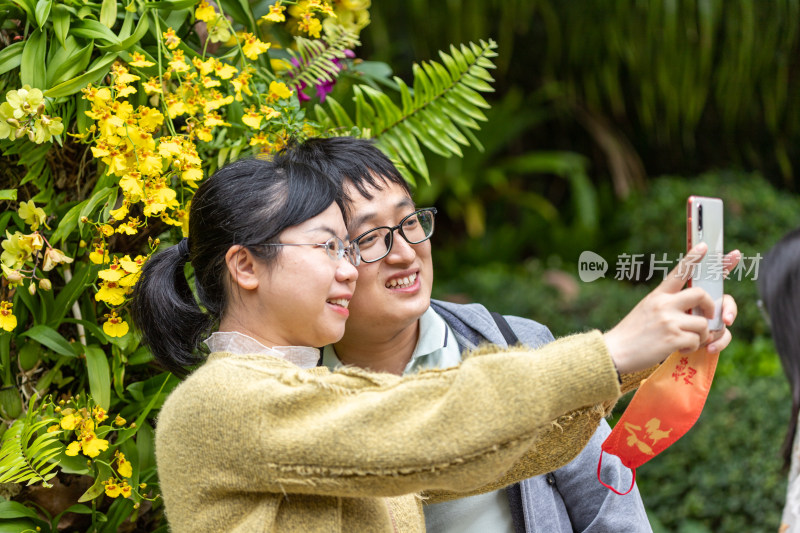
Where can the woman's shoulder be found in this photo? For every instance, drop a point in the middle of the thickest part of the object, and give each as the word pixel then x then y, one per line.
pixel 223 378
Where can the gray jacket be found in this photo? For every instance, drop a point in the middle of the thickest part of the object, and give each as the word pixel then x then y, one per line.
pixel 570 498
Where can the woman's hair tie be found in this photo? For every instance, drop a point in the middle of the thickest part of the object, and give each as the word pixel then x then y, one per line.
pixel 183 247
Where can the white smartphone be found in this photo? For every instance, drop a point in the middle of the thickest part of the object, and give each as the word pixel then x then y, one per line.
pixel 704 224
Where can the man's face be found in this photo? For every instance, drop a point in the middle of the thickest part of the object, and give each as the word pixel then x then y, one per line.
pixel 393 292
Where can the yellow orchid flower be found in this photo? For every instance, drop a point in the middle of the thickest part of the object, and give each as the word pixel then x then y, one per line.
pixel 7 319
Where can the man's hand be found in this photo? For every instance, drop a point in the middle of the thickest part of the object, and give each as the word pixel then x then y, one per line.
pixel 660 324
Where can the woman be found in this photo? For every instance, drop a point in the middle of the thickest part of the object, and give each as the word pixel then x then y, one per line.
pixel 779 286
pixel 258 438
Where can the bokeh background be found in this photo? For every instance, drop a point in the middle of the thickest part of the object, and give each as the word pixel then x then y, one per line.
pixel 607 115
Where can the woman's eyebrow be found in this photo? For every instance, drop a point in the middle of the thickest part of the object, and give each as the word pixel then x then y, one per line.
pixel 327 229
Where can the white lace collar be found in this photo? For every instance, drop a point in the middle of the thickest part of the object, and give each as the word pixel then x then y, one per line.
pixel 239 343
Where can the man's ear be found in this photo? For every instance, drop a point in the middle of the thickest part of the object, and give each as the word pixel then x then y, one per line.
pixel 242 267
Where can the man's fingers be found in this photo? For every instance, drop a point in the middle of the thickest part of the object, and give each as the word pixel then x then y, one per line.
pixel 729 309
pixel 688 299
pixel 730 261
pixel 696 325
pixel 720 344
pixel 715 335
pixel 683 271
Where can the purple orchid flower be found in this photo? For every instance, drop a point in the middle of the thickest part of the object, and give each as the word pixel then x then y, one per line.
pixel 323 89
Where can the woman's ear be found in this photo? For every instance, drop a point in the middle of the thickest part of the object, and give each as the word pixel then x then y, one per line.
pixel 242 267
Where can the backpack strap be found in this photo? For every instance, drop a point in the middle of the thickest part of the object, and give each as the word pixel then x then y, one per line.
pixel 508 334
pixel 513 492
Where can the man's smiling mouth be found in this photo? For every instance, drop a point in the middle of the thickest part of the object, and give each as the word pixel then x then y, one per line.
pixel 400 283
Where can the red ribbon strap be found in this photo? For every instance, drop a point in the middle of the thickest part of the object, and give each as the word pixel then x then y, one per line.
pixel 600 465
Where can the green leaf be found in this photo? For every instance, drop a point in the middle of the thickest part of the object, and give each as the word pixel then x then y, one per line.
pixel 11 56
pixel 458 57
pixel 93 328
pixel 99 69
pixel 18 461
pixel 68 223
pixel 170 5
pixel 145 444
pixel 11 509
pixel 76 508
pixel 33 70
pixel 44 382
pixel 103 473
pixel 99 375
pixel 10 402
pixel 383 103
pixel 27 6
pixel 17 525
pixel 476 83
pixel 8 194
pixel 129 432
pixel 91 29
pixel 443 106
pixel 43 11
pixel 81 279
pixel 82 119
pixel 124 45
pixel 49 337
pixel 108 13
pixel 339 114
pixel 61 21
pixel 141 356
pixel 36 310
pixel 365 115
pixel 127 25
pixel 429 137
pixel 315 58
pixel 240 11
pixel 450 63
pixel 71 60
pixel 470 96
pixel 97 198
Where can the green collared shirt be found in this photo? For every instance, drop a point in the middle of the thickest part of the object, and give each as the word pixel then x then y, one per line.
pixel 436 347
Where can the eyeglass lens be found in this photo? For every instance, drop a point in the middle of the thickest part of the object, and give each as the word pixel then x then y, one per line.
pixel 377 243
pixel 336 250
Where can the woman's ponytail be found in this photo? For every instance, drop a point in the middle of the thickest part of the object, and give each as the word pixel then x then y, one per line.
pixel 166 313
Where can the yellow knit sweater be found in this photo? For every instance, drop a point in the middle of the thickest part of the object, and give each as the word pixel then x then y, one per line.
pixel 253 443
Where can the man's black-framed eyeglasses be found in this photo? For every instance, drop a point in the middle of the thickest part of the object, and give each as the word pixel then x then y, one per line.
pixel 376 243
pixel 334 247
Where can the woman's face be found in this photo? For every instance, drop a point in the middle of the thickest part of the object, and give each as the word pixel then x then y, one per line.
pixel 303 296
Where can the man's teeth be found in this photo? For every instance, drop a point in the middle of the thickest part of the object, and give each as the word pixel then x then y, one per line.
pixel 401 282
pixel 340 301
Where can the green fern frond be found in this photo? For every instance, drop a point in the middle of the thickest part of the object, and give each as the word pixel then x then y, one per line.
pixel 27 449
pixel 440 111
pixel 315 58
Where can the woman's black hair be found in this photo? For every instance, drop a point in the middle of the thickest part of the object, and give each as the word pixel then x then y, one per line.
pixel 248 203
pixel 349 159
pixel 779 286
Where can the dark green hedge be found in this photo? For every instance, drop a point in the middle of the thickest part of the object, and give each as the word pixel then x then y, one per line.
pixel 724 476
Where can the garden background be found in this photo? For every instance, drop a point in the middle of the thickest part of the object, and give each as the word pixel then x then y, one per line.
pixel 604 117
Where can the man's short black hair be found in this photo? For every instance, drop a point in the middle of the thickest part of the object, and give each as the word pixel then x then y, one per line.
pixel 348 160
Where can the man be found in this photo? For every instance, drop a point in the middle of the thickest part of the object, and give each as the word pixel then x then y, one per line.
pixel 394 326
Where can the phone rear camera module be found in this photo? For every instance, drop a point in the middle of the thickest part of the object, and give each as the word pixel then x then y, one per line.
pixel 700 217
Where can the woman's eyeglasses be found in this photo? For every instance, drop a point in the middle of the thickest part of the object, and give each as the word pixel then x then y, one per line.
pixel 375 244
pixel 334 247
